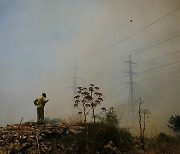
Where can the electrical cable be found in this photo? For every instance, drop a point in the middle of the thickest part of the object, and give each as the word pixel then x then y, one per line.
pixel 172 73
pixel 144 48
pixel 120 41
pixel 132 19
pixel 159 57
pixel 159 67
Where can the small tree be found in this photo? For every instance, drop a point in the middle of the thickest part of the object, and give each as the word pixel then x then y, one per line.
pixel 88 99
pixel 82 102
pixel 143 117
pixel 174 123
pixel 111 117
pixel 96 100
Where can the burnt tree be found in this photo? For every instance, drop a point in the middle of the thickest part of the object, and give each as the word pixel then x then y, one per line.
pixel 143 119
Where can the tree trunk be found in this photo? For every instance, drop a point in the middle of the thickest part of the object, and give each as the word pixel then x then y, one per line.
pixel 140 118
pixel 84 115
pixel 94 116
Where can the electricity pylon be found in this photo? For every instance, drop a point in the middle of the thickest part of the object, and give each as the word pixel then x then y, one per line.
pixel 131 101
pixel 75 78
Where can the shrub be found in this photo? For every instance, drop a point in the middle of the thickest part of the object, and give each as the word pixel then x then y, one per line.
pixel 97 135
pixel 174 123
pixel 111 118
pixel 163 138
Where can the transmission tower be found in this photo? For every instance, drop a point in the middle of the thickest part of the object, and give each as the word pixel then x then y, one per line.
pixel 75 78
pixel 131 102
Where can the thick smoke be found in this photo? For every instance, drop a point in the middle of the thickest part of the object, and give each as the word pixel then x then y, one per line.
pixel 40 40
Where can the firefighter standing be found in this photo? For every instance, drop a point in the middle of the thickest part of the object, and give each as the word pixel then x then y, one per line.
pixel 40 103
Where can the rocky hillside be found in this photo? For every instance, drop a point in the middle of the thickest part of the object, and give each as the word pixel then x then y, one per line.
pixel 30 137
pixel 99 138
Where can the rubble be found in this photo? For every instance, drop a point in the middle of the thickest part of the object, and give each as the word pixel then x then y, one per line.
pixel 32 138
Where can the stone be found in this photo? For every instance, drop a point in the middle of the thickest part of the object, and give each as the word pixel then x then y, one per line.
pixel 25 138
pixel 22 139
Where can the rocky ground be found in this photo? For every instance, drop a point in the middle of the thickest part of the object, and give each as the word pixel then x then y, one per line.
pixel 30 137
pixel 57 138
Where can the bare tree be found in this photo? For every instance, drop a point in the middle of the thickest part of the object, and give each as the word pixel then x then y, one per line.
pixel 143 119
pixel 88 99
pixel 96 100
pixel 82 100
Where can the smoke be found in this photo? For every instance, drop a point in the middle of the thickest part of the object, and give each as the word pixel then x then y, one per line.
pixel 40 40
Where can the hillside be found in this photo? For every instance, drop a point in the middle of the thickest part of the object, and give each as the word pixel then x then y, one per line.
pixel 98 138
pixel 30 137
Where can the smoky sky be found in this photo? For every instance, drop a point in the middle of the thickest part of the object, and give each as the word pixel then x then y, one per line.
pixel 41 40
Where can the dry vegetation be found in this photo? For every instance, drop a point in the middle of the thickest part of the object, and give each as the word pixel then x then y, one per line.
pixel 103 137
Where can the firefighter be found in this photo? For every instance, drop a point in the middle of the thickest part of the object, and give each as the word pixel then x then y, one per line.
pixel 40 103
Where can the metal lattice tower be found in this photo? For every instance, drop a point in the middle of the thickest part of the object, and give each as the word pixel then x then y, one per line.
pixel 131 102
pixel 75 78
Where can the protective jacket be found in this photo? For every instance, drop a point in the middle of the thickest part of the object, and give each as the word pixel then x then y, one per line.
pixel 40 101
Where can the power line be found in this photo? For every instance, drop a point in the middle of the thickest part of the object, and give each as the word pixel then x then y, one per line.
pixel 159 76
pixel 118 42
pixel 160 61
pixel 159 57
pixel 144 48
pixel 167 68
pixel 159 83
pixel 164 84
pixel 159 67
pixel 155 45
pixel 118 77
pixel 132 19
pixel 121 77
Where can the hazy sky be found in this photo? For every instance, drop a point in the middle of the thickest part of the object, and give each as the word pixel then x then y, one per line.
pixel 40 41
